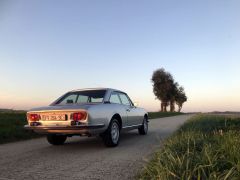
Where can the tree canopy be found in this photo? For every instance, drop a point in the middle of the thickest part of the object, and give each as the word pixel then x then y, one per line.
pixel 167 90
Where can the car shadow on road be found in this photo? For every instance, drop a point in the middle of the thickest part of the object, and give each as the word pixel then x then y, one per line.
pixel 93 143
pixel 87 145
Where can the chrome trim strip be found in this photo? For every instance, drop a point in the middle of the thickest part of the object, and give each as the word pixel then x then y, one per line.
pixel 76 127
pixel 131 126
pixel 60 110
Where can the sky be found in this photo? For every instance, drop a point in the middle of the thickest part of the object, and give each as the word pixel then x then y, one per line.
pixel 50 47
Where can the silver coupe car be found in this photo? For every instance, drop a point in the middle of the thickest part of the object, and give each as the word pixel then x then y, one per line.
pixel 102 111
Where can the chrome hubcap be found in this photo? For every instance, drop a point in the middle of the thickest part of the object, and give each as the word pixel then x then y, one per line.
pixel 115 132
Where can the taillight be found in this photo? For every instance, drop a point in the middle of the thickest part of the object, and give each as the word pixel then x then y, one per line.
pixel 34 117
pixel 79 116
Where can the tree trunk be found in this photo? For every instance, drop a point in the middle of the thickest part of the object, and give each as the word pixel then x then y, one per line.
pixel 165 104
pixel 165 108
pixel 172 106
pixel 179 108
pixel 162 106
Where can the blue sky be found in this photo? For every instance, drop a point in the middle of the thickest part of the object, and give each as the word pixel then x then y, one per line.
pixel 48 48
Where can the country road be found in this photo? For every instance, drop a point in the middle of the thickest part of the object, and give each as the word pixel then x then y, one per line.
pixel 85 158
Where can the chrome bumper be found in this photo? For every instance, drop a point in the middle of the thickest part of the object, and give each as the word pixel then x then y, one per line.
pixel 78 129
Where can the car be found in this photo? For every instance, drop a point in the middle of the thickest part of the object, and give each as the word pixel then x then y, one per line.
pixel 88 112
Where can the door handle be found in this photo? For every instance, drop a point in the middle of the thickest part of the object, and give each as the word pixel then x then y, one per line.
pixel 128 110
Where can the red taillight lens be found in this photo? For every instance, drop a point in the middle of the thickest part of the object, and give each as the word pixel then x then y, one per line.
pixel 79 116
pixel 34 117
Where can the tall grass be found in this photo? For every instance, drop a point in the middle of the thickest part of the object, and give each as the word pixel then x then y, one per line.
pixel 11 127
pixel 205 147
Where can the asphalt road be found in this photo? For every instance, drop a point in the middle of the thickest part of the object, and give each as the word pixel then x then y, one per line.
pixel 83 157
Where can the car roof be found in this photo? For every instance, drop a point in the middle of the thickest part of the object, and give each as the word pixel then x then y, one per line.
pixel 92 89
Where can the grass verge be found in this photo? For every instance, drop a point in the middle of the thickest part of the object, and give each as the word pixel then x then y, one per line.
pixel 154 115
pixel 11 127
pixel 205 147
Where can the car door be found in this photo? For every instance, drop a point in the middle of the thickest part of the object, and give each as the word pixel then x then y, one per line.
pixel 118 107
pixel 132 112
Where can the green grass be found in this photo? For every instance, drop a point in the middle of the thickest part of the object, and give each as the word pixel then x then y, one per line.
pixel 205 147
pixel 153 115
pixel 11 127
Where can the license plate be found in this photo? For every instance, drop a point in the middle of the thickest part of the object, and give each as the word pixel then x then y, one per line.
pixel 54 117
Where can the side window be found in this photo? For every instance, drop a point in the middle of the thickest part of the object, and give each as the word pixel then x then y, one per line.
pixel 69 99
pixel 82 99
pixel 115 99
pixel 124 99
pixel 96 100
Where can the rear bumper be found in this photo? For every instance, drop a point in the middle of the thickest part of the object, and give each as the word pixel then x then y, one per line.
pixel 79 129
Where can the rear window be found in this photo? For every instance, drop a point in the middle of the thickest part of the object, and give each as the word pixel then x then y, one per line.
pixel 92 96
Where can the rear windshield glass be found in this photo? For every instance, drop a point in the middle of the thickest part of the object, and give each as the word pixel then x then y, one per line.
pixel 93 96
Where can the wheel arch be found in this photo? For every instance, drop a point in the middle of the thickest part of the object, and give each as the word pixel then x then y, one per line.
pixel 146 116
pixel 118 118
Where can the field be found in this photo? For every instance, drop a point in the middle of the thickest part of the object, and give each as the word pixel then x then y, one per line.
pixel 12 122
pixel 153 115
pixel 11 127
pixel 205 147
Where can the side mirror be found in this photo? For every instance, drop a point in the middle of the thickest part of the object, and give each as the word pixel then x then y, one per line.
pixel 135 104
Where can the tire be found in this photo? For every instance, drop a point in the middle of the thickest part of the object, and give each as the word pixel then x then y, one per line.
pixel 111 136
pixel 56 139
pixel 143 130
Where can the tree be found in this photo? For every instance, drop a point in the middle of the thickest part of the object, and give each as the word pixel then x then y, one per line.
pixel 163 87
pixel 167 90
pixel 173 92
pixel 180 98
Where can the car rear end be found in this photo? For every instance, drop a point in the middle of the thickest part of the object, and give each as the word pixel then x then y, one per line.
pixel 67 122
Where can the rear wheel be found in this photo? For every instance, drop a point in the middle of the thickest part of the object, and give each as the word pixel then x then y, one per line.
pixel 55 139
pixel 143 130
pixel 112 134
